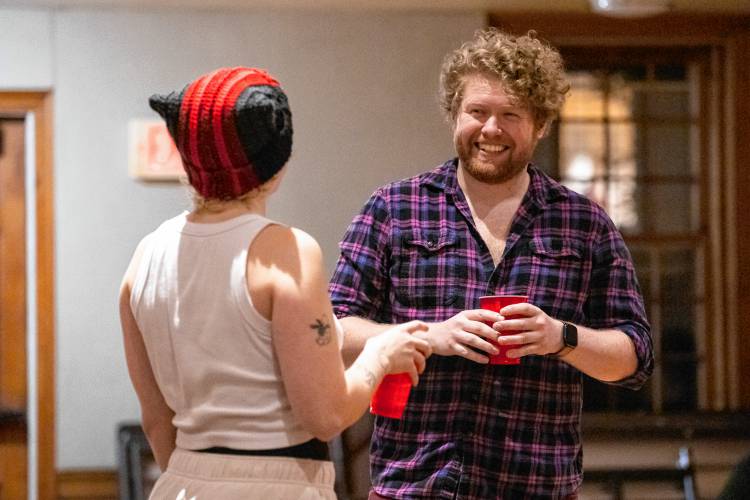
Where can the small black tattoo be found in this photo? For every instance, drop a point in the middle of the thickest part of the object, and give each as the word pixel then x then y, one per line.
pixel 370 377
pixel 323 331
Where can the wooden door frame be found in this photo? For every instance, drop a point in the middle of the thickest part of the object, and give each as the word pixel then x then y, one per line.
pixel 40 103
pixel 729 34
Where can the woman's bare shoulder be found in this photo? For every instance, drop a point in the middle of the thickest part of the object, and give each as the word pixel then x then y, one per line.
pixel 284 244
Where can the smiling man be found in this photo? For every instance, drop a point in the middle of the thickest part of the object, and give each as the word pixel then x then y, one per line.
pixel 488 223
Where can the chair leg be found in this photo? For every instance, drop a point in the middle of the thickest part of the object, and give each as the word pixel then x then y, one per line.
pixel 689 487
pixel 685 463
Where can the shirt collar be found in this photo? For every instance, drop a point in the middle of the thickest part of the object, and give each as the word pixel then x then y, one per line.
pixel 443 178
pixel 542 190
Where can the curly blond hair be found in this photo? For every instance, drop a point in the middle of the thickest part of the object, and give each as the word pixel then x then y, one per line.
pixel 530 70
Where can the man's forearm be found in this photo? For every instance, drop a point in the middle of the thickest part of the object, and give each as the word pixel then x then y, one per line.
pixel 356 332
pixel 606 355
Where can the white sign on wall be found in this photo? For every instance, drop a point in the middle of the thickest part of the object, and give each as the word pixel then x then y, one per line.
pixel 152 153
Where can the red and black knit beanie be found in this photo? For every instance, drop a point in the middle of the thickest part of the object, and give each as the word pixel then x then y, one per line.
pixel 232 127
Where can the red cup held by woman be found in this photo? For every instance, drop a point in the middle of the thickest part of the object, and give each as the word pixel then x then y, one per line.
pixel 391 396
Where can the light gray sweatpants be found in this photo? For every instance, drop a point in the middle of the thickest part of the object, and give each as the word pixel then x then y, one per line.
pixel 194 475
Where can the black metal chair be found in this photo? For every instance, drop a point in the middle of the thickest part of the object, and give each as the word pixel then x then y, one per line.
pixel 137 469
pixel 613 480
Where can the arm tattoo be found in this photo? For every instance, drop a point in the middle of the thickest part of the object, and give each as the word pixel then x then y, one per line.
pixel 370 377
pixel 323 331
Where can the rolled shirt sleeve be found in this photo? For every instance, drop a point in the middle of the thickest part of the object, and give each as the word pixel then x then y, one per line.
pixel 360 285
pixel 615 301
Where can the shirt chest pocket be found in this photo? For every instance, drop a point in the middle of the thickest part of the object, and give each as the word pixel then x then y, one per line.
pixel 560 273
pixel 427 268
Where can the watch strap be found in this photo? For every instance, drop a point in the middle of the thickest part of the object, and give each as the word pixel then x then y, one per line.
pixel 562 352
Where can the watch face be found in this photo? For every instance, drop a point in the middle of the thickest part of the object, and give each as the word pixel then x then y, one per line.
pixel 570 335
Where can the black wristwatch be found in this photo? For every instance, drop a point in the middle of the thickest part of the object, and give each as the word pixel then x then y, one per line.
pixel 569 338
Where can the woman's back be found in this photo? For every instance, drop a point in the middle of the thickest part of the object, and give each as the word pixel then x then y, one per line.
pixel 210 349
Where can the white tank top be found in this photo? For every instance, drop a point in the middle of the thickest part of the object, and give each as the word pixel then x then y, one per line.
pixel 210 349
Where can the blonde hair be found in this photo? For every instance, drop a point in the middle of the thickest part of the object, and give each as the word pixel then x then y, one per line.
pixel 201 203
pixel 530 70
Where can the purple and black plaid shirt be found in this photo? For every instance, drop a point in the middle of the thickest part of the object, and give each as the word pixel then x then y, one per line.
pixel 473 431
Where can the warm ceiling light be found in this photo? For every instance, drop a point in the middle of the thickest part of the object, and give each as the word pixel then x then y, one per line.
pixel 630 8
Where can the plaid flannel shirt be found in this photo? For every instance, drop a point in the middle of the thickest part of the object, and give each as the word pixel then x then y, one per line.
pixel 473 431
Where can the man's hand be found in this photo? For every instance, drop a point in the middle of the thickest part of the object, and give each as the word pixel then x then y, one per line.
pixel 537 332
pixel 463 334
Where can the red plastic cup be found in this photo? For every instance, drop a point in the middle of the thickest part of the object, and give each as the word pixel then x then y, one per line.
pixel 495 303
pixel 391 396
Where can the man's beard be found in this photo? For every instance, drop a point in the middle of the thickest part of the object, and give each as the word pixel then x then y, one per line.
pixel 489 173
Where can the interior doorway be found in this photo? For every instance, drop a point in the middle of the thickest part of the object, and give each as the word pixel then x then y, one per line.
pixel 26 297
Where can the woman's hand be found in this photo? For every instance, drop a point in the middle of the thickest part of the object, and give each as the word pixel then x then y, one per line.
pixel 400 351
